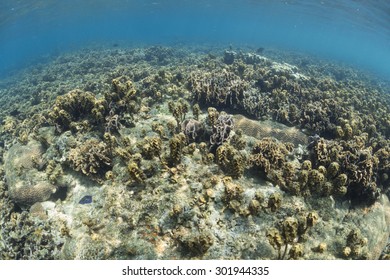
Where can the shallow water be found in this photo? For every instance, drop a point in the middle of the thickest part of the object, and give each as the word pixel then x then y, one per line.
pixel 355 32
pixel 182 130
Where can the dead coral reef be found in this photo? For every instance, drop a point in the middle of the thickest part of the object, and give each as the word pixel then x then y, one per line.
pixel 28 237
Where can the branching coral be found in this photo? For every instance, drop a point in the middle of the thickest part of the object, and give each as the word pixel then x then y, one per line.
pixel 218 88
pixel 221 130
pixel 193 130
pixel 92 158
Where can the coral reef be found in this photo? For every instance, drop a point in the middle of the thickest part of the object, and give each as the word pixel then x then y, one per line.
pixel 217 88
pixel 194 130
pixel 194 153
pixel 136 173
pixel 92 157
pixel 179 111
pixel 26 180
pixel 352 167
pixel 268 154
pixel 73 110
pixel 176 144
pixel 221 129
pixel 265 129
pixel 232 162
pixel 289 236
pixel 29 238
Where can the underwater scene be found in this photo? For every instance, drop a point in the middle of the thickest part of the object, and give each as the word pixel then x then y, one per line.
pixel 175 130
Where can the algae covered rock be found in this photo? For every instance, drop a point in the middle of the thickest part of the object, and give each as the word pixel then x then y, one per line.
pixel 27 184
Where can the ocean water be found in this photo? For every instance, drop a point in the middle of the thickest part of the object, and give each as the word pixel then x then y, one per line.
pixel 172 130
pixel 354 32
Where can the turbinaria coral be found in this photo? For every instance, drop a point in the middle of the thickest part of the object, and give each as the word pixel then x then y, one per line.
pixel 268 154
pixel 355 245
pixel 179 110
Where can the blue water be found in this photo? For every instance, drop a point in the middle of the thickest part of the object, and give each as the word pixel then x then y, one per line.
pixel 356 32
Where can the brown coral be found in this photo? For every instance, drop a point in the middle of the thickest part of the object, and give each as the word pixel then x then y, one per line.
pixel 269 154
pixel 74 107
pixel 92 158
pixel 176 145
pixel 217 87
pixel 231 161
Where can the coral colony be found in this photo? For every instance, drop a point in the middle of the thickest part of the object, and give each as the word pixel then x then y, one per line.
pixel 162 153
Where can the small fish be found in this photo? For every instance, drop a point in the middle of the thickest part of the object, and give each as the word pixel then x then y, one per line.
pixel 86 199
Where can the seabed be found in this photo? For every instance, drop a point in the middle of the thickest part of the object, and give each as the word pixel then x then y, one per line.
pixel 193 153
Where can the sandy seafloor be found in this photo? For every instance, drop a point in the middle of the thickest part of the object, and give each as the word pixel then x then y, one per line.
pixel 193 153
